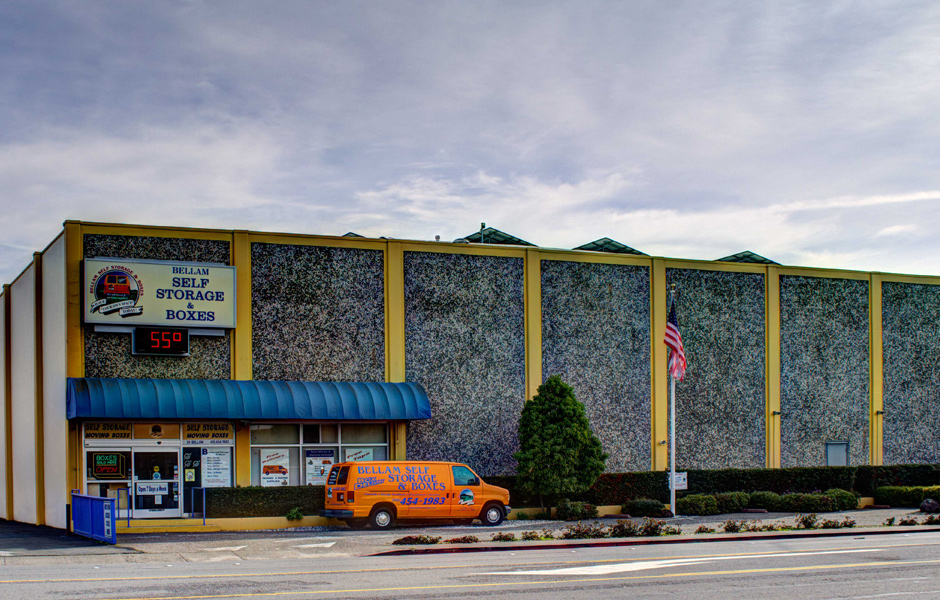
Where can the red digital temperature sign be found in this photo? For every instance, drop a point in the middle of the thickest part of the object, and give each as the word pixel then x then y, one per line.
pixel 161 341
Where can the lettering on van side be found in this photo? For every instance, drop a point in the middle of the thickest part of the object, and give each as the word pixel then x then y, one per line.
pixel 426 501
pixel 365 482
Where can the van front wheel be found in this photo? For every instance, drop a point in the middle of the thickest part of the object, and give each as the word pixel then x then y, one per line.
pixel 382 517
pixel 492 515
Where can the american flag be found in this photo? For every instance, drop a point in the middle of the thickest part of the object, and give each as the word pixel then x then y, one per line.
pixel 674 341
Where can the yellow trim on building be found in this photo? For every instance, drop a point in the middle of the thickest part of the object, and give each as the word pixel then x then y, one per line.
pixel 706 265
pixel 242 455
pixel 913 279
pixel 91 228
pixel 823 273
pixel 659 409
pixel 475 249
pixel 40 432
pixel 75 341
pixel 395 337
pixel 876 369
pixel 241 343
pixel 291 239
pixel 533 323
pixel 772 373
pixel 596 257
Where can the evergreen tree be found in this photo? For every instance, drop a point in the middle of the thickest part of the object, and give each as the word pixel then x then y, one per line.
pixel 559 455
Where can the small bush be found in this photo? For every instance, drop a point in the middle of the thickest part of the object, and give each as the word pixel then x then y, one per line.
pixel 534 536
pixel 411 540
pixel 521 516
pixel 801 503
pixel 652 527
pixel 732 502
pixel 751 526
pixel 848 523
pixel 932 519
pixel 830 524
pixel 773 527
pixel 889 522
pixel 575 511
pixel 844 500
pixel 705 529
pixel 503 536
pixel 581 531
pixel 908 521
pixel 769 501
pixel 624 529
pixel 697 504
pixel 294 514
pixel 644 507
pixel 672 530
pixel 807 521
pixel 464 539
pixel 731 526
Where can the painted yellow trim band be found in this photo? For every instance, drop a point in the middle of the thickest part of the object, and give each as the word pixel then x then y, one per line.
pixel 876 372
pixel 533 322
pixel 659 411
pixel 772 374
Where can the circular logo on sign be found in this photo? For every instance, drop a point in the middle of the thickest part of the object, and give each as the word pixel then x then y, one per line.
pixel 466 496
pixel 156 431
pixel 116 290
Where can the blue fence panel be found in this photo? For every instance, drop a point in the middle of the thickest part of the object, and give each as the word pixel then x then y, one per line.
pixel 94 518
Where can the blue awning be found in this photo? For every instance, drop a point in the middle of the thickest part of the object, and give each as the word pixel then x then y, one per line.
pixel 163 399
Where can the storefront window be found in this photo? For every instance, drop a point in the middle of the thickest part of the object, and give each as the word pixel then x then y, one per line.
pixel 274 434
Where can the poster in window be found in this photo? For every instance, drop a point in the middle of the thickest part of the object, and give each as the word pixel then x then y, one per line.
pixel 318 464
pixel 217 467
pixel 353 454
pixel 274 467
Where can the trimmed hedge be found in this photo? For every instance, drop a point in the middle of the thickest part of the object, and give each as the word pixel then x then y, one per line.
pixel 807 503
pixel 769 501
pixel 263 501
pixel 697 504
pixel 731 502
pixel 868 479
pixel 905 496
pixel 568 510
pixel 644 507
pixel 843 499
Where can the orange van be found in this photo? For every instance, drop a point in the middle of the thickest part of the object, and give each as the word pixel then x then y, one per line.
pixel 378 493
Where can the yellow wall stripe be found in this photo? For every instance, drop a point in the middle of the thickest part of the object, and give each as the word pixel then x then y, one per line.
pixel 772 374
pixel 533 323
pixel 876 368
pixel 659 412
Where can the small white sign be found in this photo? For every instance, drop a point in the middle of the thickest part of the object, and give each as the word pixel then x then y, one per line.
pixel 358 454
pixel 274 467
pixel 681 482
pixel 153 489
pixel 108 520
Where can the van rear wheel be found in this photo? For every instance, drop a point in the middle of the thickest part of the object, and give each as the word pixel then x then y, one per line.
pixel 382 517
pixel 492 515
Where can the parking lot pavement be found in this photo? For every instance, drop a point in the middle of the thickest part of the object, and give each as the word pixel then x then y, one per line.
pixel 28 544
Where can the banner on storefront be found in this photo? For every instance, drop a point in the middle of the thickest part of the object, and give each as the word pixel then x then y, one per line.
pixel 199 434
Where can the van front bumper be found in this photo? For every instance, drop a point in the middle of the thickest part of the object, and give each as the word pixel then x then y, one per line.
pixel 336 514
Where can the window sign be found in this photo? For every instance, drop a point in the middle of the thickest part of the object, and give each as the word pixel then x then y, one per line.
pixel 200 434
pixel 353 454
pixel 160 293
pixel 108 465
pixel 108 431
pixel 318 464
pixel 274 467
pixel 216 467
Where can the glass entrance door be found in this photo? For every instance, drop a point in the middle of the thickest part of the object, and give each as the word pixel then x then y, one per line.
pixel 156 483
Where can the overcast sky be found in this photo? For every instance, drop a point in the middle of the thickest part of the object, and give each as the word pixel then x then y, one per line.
pixel 808 132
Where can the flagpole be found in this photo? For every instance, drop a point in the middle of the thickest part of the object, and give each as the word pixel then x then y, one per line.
pixel 672 446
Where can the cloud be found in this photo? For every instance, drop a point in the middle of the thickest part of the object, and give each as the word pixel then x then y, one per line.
pixel 896 230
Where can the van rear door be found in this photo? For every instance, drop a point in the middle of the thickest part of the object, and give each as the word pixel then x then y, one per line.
pixel 336 485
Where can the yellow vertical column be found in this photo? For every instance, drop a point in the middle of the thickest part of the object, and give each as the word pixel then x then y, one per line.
pixel 241 346
pixel 8 398
pixel 876 372
pixel 395 335
pixel 74 342
pixel 533 322
pixel 772 372
pixel 659 410
pixel 40 433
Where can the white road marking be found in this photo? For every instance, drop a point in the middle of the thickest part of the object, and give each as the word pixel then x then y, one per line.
pixel 226 549
pixel 662 564
pixel 323 545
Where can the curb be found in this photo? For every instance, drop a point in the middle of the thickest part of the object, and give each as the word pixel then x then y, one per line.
pixel 731 537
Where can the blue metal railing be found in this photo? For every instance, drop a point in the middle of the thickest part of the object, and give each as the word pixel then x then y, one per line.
pixel 94 517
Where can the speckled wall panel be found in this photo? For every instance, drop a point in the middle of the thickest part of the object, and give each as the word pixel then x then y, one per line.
pixel 596 336
pixel 109 354
pixel 910 314
pixel 721 404
pixel 823 369
pixel 465 343
pixel 317 313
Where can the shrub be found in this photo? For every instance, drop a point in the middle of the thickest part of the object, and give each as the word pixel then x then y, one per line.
pixel 652 527
pixel 870 478
pixel 697 504
pixel 769 501
pixel 844 500
pixel 257 501
pixel 672 530
pixel 410 540
pixel 899 496
pixel 617 488
pixel 830 524
pixel 558 453
pixel 806 503
pixel 750 526
pixel 889 522
pixel 533 536
pixel 503 536
pixel 580 531
pixel 705 529
pixel 294 514
pixel 624 529
pixel 575 511
pixel 464 539
pixel 781 481
pixel 807 521
pixel 932 519
pixel 731 526
pixel 772 527
pixel 732 502
pixel 908 521
pixel 644 507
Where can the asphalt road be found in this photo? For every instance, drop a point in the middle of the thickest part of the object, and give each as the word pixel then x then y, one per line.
pixel 811 568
